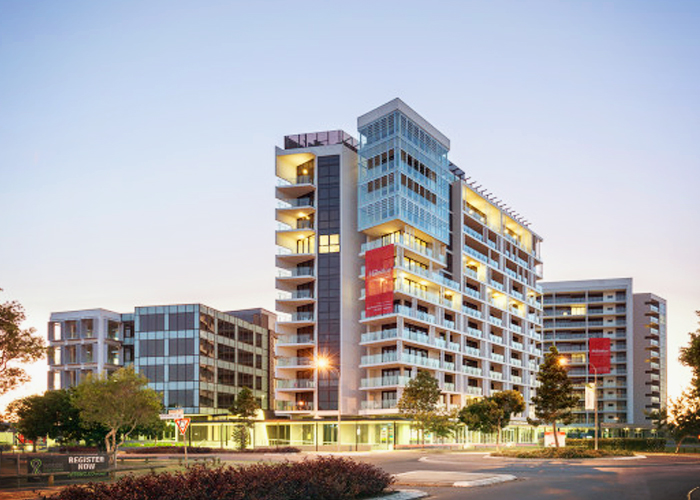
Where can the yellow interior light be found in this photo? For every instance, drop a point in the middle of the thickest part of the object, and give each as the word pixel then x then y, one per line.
pixel 304 171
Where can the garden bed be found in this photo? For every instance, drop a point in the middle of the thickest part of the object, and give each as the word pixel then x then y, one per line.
pixel 565 452
pixel 325 478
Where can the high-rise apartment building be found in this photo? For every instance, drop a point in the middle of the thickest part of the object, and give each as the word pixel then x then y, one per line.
pixel 198 358
pixel 635 324
pixel 391 262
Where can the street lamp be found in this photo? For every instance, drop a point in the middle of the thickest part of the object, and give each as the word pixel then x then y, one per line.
pixel 323 364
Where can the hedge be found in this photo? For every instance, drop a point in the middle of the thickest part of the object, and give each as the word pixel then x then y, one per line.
pixel 175 450
pixel 325 478
pixel 629 444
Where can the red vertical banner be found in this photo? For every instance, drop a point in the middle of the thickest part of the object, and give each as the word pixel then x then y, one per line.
pixel 379 281
pixel 599 355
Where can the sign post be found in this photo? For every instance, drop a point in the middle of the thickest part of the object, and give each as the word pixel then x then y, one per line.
pixel 598 361
pixel 182 425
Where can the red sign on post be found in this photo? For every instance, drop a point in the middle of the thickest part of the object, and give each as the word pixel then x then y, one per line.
pixel 182 424
pixel 379 281
pixel 599 355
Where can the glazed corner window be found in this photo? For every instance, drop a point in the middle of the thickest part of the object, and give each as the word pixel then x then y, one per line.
pixel 578 358
pixel 329 243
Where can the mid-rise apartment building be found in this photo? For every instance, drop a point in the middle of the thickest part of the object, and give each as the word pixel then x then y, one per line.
pixel 635 324
pixel 390 262
pixel 198 358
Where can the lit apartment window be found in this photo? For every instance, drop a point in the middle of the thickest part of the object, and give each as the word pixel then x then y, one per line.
pixel 329 243
pixel 578 310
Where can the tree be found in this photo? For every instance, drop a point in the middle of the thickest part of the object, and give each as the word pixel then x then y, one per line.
pixel 244 406
pixel 419 401
pixel 682 418
pixel 690 357
pixel 51 414
pixel 16 346
pixel 493 413
pixel 120 402
pixel 554 399
pixel 442 424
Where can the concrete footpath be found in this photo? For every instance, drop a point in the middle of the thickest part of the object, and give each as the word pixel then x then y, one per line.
pixel 447 478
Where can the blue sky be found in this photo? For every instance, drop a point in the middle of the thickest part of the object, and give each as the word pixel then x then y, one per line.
pixel 137 138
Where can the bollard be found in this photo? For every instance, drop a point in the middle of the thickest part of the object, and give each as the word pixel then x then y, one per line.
pixel 50 482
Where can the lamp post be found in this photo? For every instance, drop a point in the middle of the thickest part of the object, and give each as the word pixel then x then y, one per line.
pixel 323 364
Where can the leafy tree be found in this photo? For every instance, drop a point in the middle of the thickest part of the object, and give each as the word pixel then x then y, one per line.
pixel 682 418
pixel 245 407
pixel 53 414
pixel 442 424
pixel 120 402
pixel 554 400
pixel 16 346
pixel 690 357
pixel 493 413
pixel 419 401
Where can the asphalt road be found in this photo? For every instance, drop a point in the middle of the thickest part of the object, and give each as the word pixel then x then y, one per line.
pixel 653 478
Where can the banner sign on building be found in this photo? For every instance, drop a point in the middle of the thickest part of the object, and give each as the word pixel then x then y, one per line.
pixel 590 396
pixel 598 355
pixel 379 281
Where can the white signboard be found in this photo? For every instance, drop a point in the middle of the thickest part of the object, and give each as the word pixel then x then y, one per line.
pixel 590 396
pixel 549 439
pixel 172 415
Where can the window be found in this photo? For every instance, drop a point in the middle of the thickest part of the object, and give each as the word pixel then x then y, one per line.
pixel 227 353
pixel 329 243
pixel 181 373
pixel 181 347
pixel 153 373
pixel 578 310
pixel 151 348
pixel 151 322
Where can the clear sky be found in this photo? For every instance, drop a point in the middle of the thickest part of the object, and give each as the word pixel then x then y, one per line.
pixel 137 138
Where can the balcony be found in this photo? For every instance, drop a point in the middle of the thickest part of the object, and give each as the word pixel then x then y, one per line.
pixel 516 362
pixel 393 381
pixel 474 313
pixel 295 340
pixel 448 387
pixel 384 404
pixel 499 358
pixel 474 234
pixel 472 351
pixel 496 321
pixel 496 375
pixel 297 181
pixel 295 362
pixel 516 379
pixel 408 243
pixel 297 317
pixel 474 332
pixel 473 391
pixel 517 345
pixel 295 203
pixel 496 339
pixel 472 370
pixel 295 384
pixel 285 406
pixel 516 328
pixel 377 359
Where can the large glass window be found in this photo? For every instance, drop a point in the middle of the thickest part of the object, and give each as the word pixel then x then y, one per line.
pixel 181 373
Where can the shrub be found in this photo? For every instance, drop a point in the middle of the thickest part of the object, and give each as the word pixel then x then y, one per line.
pixel 326 478
pixel 174 450
pixel 630 444
pixel 566 452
